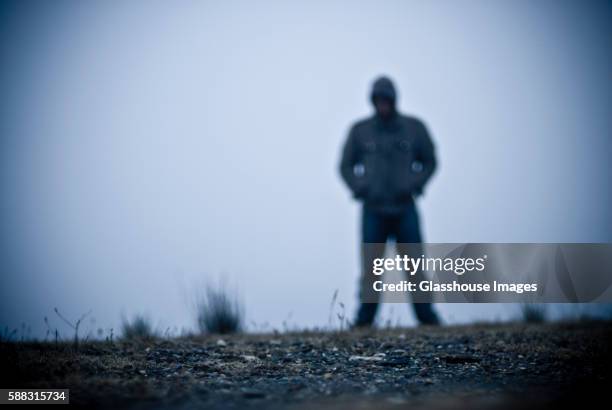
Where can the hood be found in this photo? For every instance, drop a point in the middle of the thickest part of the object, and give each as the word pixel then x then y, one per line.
pixel 383 87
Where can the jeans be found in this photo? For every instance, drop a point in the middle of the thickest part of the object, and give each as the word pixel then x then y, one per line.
pixel 378 228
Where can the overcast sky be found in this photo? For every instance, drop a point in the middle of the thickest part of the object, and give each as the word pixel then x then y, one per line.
pixel 150 147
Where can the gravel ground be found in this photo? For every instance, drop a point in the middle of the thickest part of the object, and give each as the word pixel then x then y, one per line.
pixel 484 366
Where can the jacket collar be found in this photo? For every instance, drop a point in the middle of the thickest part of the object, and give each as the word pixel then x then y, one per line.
pixel 387 124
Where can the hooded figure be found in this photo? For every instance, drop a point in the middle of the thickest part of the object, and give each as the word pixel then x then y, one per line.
pixel 386 162
pixel 388 158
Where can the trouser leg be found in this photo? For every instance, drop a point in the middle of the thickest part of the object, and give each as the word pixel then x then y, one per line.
pixel 366 314
pixel 409 242
pixel 374 235
pixel 425 314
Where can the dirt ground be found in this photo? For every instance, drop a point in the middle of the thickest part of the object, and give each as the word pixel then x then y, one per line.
pixel 484 366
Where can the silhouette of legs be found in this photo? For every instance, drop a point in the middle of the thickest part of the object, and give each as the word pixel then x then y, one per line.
pixel 376 229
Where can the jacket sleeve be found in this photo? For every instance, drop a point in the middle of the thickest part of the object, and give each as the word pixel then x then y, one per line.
pixel 351 157
pixel 427 157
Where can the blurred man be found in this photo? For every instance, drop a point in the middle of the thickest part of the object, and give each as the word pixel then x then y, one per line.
pixel 386 162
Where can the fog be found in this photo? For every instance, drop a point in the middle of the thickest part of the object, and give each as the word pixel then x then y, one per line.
pixel 151 147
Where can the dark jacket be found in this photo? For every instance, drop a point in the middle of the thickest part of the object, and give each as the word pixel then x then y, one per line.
pixel 387 162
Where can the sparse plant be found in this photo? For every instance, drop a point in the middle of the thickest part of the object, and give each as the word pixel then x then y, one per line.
pixel 331 308
pixel 286 327
pixel 111 335
pixel 6 335
pixel 139 328
pixel 74 326
pixel 533 313
pixel 342 316
pixel 48 328
pixel 50 331
pixel 219 311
